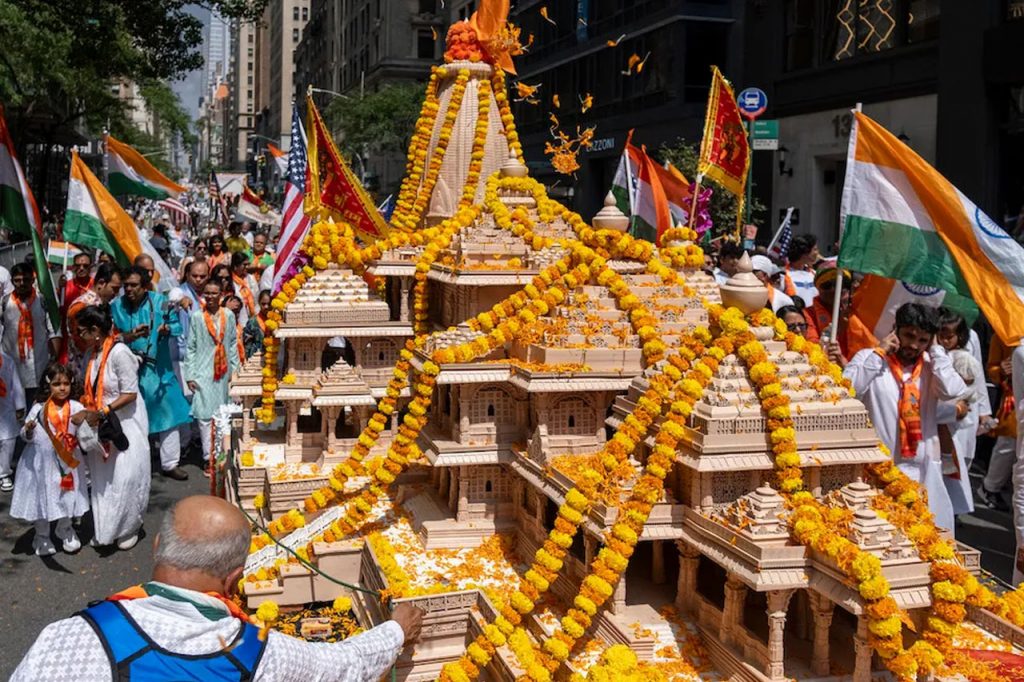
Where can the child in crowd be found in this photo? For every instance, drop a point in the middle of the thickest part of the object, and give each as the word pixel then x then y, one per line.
pixel 51 482
pixel 958 419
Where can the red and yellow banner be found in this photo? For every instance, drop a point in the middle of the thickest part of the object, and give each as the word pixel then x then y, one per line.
pixel 333 188
pixel 724 151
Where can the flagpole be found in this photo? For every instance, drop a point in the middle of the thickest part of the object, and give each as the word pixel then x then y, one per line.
pixel 839 268
pixel 632 188
pixel 693 204
pixel 778 232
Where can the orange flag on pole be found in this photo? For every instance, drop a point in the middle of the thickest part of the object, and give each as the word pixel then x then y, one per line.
pixel 724 151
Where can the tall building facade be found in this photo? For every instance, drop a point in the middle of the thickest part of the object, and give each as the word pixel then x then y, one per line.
pixel 242 83
pixel 217 52
pixel 945 76
pixel 571 58
pixel 285 21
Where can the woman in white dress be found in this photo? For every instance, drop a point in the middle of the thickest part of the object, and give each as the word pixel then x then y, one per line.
pixel 119 478
pixel 51 480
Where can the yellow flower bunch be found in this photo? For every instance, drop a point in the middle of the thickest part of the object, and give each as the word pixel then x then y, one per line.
pixel 476 158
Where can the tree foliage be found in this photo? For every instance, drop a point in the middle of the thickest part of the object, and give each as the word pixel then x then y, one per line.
pixel 59 58
pixel 381 121
pixel 684 156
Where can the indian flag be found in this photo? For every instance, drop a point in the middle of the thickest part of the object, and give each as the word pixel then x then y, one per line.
pixel 95 219
pixel 653 196
pixel 905 221
pixel 874 304
pixel 19 213
pixel 280 158
pixel 130 173
pixel 61 253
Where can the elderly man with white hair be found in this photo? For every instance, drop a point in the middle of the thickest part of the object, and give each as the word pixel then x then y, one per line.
pixel 182 625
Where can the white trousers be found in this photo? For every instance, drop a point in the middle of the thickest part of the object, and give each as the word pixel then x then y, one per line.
pixel 6 453
pixel 1018 513
pixel 63 528
pixel 206 438
pixel 1000 465
pixel 170 442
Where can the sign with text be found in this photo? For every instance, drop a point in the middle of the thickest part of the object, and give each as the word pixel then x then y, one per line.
pixel 764 134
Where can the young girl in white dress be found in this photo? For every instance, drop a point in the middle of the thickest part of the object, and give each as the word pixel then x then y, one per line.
pixel 51 483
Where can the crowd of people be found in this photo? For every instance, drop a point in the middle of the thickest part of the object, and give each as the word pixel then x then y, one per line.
pixel 130 381
pixel 926 385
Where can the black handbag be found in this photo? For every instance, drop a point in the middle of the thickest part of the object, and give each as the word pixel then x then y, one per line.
pixel 110 430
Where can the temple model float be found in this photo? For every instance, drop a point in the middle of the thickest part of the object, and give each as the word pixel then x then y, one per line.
pixel 574 452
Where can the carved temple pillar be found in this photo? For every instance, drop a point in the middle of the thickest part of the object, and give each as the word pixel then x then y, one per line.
pixel 453 489
pixel 822 609
pixel 404 306
pixel 862 652
pixel 618 601
pixel 732 612
pixel 442 488
pixel 778 604
pixel 589 548
pixel 292 412
pixel 658 562
pixel 686 585
pixel 246 420
pixel 463 512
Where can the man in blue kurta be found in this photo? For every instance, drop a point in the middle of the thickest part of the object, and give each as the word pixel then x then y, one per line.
pixel 149 325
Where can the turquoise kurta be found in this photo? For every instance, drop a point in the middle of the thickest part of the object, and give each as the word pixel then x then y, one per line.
pixel 158 384
pixel 198 365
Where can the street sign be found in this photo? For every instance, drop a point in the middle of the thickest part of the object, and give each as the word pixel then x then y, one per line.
pixel 752 102
pixel 764 135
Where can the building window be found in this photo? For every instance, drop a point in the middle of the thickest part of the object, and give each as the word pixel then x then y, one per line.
pixel 250 38
pixel 424 44
pixel 922 20
pixel 305 14
pixel 800 34
pixel 427 6
pixel 249 80
pixel 249 95
pixel 295 13
pixel 295 35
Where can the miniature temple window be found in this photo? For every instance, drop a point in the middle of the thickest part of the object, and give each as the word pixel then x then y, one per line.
pixel 488 488
pixel 491 406
pixel 571 417
pixel 711 582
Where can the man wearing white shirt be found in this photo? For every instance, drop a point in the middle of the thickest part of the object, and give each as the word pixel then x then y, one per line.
pixel 901 383
pixel 28 337
pixel 765 270
pixel 182 624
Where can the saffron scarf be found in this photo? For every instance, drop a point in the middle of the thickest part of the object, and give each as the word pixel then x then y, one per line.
pixel 150 590
pixel 909 405
pixel 220 355
pixel 26 330
pixel 93 395
pixel 239 343
pixel 58 422
pixel 245 293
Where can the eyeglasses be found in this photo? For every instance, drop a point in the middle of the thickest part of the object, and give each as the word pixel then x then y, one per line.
pixel 797 327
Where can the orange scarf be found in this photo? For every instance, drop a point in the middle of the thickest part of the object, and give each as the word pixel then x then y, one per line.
pixel 909 405
pixel 238 342
pixel 59 419
pixel 213 260
pixel 220 356
pixel 93 395
pixel 138 592
pixel 245 293
pixel 26 331
pixel 262 324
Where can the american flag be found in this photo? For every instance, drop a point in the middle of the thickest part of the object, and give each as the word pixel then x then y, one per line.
pixel 779 248
pixel 176 210
pixel 295 223
pixel 219 198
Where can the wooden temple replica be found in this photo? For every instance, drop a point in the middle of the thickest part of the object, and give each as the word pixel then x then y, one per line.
pixel 716 585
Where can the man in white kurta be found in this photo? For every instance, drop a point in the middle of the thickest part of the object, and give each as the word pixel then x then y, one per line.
pixel 30 352
pixel 877 388
pixel 12 403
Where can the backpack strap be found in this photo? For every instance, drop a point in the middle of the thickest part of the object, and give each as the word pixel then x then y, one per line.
pixel 120 638
pixel 248 650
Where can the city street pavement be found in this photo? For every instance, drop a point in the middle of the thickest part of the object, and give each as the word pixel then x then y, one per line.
pixel 41 591
pixel 38 591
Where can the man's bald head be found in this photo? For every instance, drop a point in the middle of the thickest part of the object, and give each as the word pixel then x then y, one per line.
pixel 201 539
pixel 198 273
pixel 144 261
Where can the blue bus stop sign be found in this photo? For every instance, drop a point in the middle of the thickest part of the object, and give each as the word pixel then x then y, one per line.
pixel 752 102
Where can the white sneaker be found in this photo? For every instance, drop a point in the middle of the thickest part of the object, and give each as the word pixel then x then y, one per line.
pixel 6 484
pixel 128 542
pixel 43 546
pixel 70 542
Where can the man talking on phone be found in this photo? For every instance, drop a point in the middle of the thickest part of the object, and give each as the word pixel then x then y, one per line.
pixel 901 382
pixel 148 323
